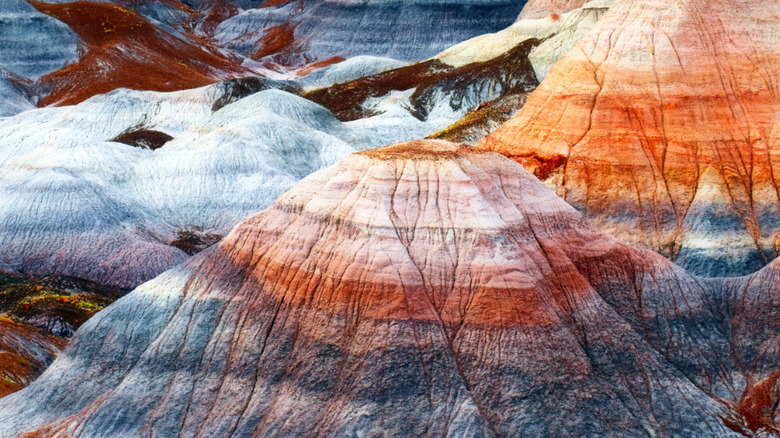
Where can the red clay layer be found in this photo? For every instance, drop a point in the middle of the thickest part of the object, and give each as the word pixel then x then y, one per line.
pixel 123 50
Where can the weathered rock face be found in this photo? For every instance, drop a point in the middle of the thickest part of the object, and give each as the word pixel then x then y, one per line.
pixel 558 35
pixel 661 127
pixel 432 90
pixel 425 289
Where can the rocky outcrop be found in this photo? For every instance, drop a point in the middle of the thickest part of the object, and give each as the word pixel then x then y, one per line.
pixel 558 34
pixel 484 119
pixel 661 127
pixel 432 91
pixel 424 289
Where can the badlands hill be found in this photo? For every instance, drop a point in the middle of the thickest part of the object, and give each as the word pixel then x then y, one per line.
pixel 289 280
pixel 67 51
pixel 661 127
pixel 423 289
pixel 545 39
pixel 127 184
pixel 156 177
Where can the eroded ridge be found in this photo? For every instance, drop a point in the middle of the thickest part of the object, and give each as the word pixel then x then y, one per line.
pixel 661 126
pixel 419 290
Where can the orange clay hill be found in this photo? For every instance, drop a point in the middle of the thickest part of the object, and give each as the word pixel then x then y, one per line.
pixel 661 126
pixel 123 50
pixel 426 289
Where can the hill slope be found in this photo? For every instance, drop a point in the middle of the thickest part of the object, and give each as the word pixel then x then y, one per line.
pixel 423 289
pixel 661 126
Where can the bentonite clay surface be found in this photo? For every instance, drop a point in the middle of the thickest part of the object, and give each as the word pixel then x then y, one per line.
pixel 126 185
pixel 661 127
pixel 68 51
pixel 424 289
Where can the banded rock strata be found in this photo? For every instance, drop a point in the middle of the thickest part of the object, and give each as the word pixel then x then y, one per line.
pixel 155 177
pixel 84 48
pixel 661 127
pixel 557 33
pixel 424 289
pixel 551 37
